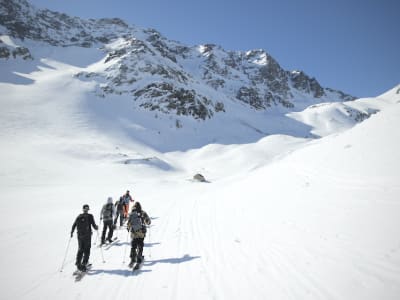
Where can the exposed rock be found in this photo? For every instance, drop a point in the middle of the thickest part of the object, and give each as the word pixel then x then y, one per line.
pixel 4 52
pixel 163 75
pixel 199 177
pixel 306 84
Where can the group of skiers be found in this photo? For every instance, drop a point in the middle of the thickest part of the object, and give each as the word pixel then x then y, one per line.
pixel 110 212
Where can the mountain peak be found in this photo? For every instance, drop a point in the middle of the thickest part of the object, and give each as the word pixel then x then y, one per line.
pixel 160 75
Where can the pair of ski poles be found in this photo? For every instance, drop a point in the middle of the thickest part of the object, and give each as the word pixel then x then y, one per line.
pixel 66 251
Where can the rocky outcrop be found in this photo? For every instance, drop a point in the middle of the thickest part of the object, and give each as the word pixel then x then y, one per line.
pixel 160 74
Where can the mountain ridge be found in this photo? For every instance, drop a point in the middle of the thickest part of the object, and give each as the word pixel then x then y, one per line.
pixel 176 70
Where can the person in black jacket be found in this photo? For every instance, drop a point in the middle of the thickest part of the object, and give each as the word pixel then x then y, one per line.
pixel 84 223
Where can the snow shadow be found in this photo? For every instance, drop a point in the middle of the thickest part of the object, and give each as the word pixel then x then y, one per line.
pixel 154 162
pixel 118 272
pixel 178 260
pixel 14 73
pixel 151 244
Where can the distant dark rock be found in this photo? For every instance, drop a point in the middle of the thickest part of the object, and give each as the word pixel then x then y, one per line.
pixel 199 177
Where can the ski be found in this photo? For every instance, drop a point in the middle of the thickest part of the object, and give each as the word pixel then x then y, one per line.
pixel 138 265
pixel 109 245
pixel 79 274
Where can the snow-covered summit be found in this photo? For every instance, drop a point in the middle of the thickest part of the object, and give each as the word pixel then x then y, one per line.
pixel 161 75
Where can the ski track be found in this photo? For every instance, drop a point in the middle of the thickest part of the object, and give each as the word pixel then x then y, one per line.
pixel 195 250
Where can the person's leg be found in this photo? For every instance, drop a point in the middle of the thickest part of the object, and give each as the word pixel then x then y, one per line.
pixel 121 219
pixel 103 234
pixel 110 230
pixel 86 250
pixel 79 254
pixel 133 254
pixel 140 250
pixel 116 218
pixel 126 210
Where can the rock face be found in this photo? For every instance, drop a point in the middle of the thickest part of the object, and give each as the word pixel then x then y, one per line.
pixel 162 75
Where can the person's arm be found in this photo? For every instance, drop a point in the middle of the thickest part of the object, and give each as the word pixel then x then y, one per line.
pixel 73 227
pixel 128 224
pixel 147 219
pixel 101 212
pixel 93 223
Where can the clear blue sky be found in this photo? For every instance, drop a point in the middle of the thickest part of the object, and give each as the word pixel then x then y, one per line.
pixel 350 45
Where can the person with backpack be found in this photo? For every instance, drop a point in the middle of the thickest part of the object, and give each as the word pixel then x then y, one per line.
pixel 120 212
pixel 84 223
pixel 126 198
pixel 107 215
pixel 138 219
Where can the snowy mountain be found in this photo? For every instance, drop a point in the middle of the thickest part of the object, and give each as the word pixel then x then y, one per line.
pixel 162 78
pixel 91 108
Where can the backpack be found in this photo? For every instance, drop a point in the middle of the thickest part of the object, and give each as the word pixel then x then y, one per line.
pixel 83 225
pixel 135 221
pixel 108 212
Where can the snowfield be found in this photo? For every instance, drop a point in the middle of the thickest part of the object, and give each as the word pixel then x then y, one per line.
pixel 285 217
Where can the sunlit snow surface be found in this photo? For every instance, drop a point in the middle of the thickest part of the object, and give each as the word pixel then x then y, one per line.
pixel 282 216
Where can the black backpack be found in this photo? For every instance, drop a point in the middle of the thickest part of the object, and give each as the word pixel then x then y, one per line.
pixel 83 225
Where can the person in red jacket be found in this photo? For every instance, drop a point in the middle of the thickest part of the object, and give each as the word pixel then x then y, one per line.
pixel 125 200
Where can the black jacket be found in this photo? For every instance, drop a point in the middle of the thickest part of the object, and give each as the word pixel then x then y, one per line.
pixel 84 223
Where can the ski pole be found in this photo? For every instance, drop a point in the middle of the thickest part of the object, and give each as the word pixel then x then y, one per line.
pixel 126 246
pixel 97 235
pixel 102 254
pixel 65 256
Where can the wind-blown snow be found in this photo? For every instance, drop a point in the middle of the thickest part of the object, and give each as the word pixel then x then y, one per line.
pixel 285 217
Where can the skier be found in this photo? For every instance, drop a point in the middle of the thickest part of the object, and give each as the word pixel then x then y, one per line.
pixel 138 218
pixel 107 215
pixel 84 223
pixel 120 208
pixel 126 199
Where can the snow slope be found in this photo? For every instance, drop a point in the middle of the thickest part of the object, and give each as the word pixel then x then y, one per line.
pixel 281 218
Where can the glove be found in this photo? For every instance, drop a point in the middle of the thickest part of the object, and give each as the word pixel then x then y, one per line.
pixel 72 234
pixel 97 227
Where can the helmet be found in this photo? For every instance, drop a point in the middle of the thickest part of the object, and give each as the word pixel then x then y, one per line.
pixel 85 207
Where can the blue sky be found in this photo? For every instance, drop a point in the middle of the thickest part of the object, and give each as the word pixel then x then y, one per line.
pixel 350 45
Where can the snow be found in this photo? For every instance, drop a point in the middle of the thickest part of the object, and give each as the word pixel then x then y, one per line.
pixel 281 216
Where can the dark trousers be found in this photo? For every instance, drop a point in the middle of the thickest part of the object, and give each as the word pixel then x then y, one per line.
pixel 107 224
pixel 120 214
pixel 84 244
pixel 137 249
